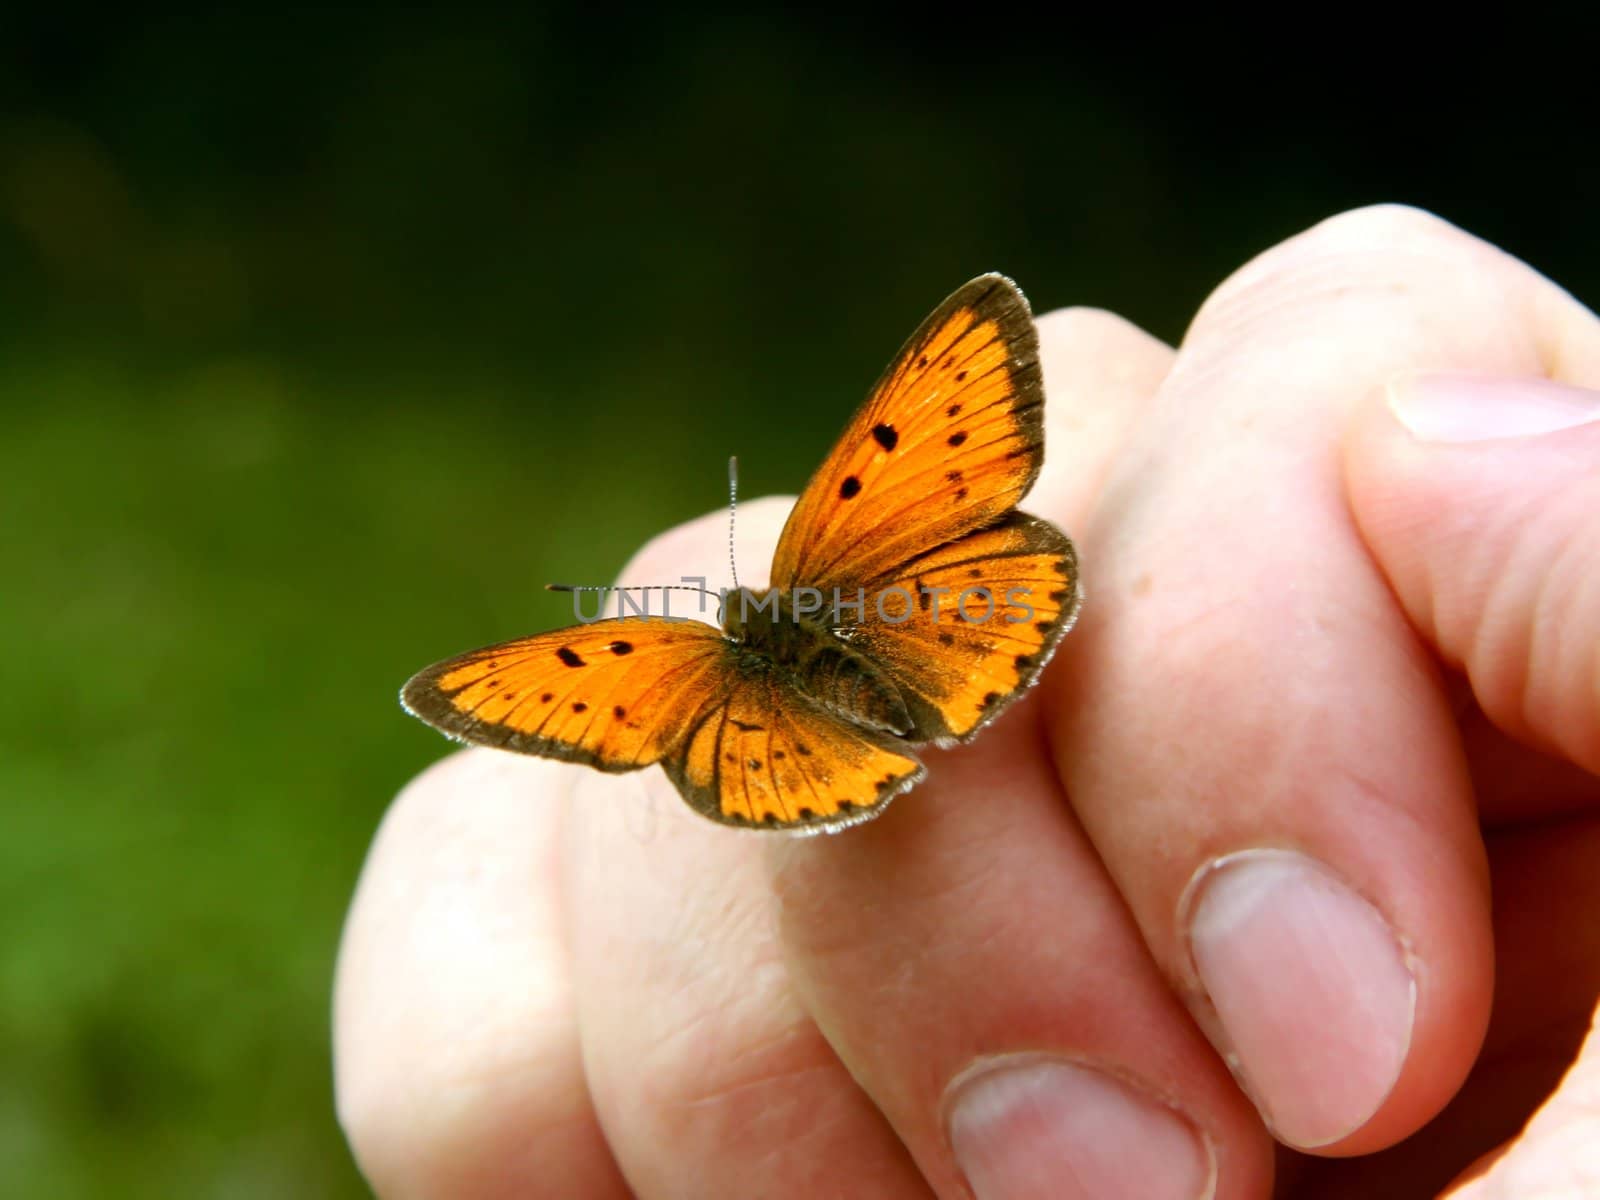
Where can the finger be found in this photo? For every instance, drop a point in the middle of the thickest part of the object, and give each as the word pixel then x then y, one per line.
pixel 457 1069
pixel 1257 744
pixel 1547 953
pixel 709 1077
pixel 966 954
pixel 1100 372
pixel 1480 498
pixel 970 961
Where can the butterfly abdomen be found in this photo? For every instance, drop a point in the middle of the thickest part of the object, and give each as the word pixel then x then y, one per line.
pixel 803 646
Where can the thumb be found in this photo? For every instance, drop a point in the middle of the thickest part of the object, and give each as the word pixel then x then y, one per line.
pixel 1480 499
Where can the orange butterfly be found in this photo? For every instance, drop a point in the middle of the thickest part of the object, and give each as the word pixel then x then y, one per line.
pixel 910 603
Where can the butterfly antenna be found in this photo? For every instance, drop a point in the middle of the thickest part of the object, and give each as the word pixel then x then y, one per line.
pixel 733 508
pixel 628 587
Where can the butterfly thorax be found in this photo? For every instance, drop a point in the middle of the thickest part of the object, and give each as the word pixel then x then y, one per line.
pixel 804 641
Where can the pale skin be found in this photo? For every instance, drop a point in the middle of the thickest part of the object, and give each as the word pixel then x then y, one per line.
pixel 1257 803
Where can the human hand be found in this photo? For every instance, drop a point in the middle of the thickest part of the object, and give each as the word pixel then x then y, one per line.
pixel 1252 796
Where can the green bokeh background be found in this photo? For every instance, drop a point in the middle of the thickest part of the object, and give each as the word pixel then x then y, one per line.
pixel 327 339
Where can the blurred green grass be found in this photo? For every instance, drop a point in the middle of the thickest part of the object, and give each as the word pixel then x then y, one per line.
pixel 319 356
pixel 223 595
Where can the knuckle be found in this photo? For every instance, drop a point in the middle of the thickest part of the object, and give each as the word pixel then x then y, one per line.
pixel 1376 226
pixel 1380 245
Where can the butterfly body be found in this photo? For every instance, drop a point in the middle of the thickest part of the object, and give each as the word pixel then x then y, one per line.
pixel 911 603
pixel 777 629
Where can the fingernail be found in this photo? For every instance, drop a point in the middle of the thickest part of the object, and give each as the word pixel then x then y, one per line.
pixel 1478 408
pixel 1310 986
pixel 1029 1125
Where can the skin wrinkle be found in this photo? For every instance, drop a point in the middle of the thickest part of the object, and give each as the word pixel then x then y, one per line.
pixel 752 986
pixel 803 1041
pixel 1580 697
pixel 754 1103
pixel 1512 645
pixel 1544 651
pixel 1502 650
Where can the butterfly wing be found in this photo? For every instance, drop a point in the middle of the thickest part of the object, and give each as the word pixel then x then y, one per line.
pixel 966 628
pixel 770 757
pixel 949 440
pixel 743 746
pixel 920 495
pixel 617 694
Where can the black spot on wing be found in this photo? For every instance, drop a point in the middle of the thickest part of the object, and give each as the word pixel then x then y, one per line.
pixel 886 436
pixel 850 488
pixel 569 656
pixel 955 439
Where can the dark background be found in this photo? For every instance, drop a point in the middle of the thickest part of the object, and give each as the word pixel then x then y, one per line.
pixel 327 339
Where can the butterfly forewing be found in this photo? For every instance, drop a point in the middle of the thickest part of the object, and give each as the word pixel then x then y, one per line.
pixel 617 694
pixel 949 440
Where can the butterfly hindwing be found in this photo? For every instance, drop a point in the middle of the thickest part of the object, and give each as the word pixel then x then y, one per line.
pixel 770 757
pixel 949 440
pixel 967 627
pixel 616 694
